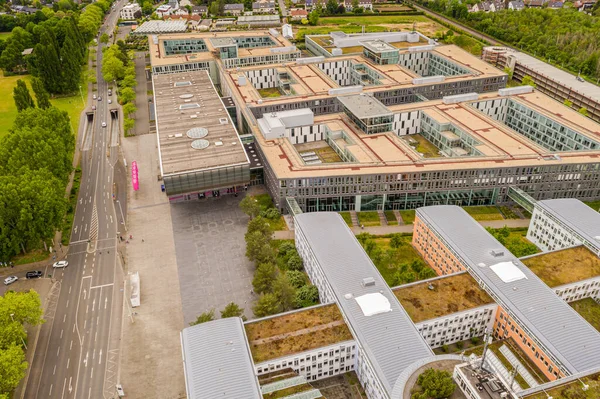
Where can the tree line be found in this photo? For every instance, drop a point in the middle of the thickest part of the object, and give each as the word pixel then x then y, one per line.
pixel 564 37
pixel 17 309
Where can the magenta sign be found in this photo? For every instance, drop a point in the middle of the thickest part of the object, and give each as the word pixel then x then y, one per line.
pixel 134 176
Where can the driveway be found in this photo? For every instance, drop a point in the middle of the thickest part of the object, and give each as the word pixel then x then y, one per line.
pixel 210 250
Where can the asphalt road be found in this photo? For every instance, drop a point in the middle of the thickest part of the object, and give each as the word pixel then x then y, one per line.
pixel 71 353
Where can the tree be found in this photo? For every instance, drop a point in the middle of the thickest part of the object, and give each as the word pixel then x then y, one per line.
pixel 41 95
pixel 188 9
pixel 214 8
pixel 127 95
pixel 355 5
pixel 528 81
pixel 129 109
pixel 286 249
pixel 313 17
pixel 296 278
pixel 112 68
pixel 47 61
pixel 259 224
pixel 12 367
pixel 264 276
pixel 583 111
pixel 285 292
pixel 568 103
pixel 396 241
pixel 266 305
pixel 104 38
pixel 436 384
pixel 331 6
pixel 22 97
pixel 70 63
pixel 250 206
pixel 295 263
pixel 509 72
pixel 204 317
pixel 25 307
pixel 258 248
pixel 233 310
pixel 306 296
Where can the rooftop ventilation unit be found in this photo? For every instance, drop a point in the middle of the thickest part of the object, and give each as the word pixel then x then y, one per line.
pixel 368 282
pixel 223 121
pixel 496 253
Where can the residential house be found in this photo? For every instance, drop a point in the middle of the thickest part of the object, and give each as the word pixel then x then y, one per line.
pixel 583 5
pixel 199 10
pixel 24 9
pixel 484 6
pixel 556 5
pixel 234 9
pixel 204 25
pixel 535 3
pixel 263 7
pixel 298 14
pixel 497 5
pixel 516 5
pixel 163 10
pixel 365 4
pixel 131 11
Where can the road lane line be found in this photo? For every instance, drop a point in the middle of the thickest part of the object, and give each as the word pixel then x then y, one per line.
pixel 96 336
pixel 84 324
pixel 63 392
pixel 68 361
pixel 50 394
pixel 54 371
pixel 97 320
pixel 64 317
pixel 71 344
pixel 70 290
pixel 57 351
pixel 67 303
pixel 87 308
pixel 61 333
pixel 91 376
pixel 103 285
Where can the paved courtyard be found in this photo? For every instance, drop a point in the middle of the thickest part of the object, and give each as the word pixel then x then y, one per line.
pixel 210 249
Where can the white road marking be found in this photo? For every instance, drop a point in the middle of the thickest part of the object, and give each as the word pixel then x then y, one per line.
pixel 67 303
pixel 64 318
pixel 103 285
pixel 70 290
pixel 105 302
pixel 64 385
pixel 97 320
pixel 54 371
pixel 92 375
pixel 87 307
pixel 51 385
pixel 84 324
pixel 61 333
pixel 93 305
pixel 96 336
pixel 71 344
pixel 94 354
pixel 57 351
pixel 100 360
pixel 68 362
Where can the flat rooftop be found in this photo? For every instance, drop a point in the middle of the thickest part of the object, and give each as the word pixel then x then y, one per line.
pixel 565 266
pixel 364 106
pixel 564 334
pixel 194 129
pixel 386 153
pixel 576 215
pixel 296 332
pixel 553 73
pixel 447 295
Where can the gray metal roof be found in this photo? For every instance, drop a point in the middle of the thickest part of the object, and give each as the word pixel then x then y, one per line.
pixel 576 215
pixel 564 333
pixel 217 361
pixel 364 106
pixel 390 340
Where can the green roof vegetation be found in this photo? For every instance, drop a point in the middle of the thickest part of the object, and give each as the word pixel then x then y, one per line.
pixel 589 310
pixel 573 390
pixel 564 267
pixel 271 92
pixel 296 332
pixel 282 393
pixel 448 295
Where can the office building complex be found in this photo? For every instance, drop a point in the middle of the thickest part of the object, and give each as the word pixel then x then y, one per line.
pixel 550 80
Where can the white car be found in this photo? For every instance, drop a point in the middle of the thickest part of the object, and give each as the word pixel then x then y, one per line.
pixel 109 101
pixel 103 124
pixel 10 279
pixel 60 263
pixel 94 96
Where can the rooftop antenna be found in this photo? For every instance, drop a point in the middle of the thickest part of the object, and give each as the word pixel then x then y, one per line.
pixel 487 339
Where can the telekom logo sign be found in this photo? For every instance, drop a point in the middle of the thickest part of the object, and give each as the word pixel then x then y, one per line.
pixel 134 176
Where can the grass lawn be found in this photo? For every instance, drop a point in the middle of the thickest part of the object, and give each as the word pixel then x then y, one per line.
pixel 508 212
pixel 373 20
pixel 405 254
pixel 68 222
pixel 391 218
pixel 327 154
pixel 8 110
pixel 573 390
pixel 392 7
pixel 282 393
pixel 594 205
pixel 564 267
pixel 347 218
pixel 408 216
pixel 480 213
pixel 5 35
pixel 31 256
pixel 368 218
pixel 271 92
pixel 589 310
pixel 425 147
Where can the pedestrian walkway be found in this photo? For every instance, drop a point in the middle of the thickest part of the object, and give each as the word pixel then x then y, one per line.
pixel 408 228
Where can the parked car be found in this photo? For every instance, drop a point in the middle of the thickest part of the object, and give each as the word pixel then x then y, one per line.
pixel 34 274
pixel 93 107
pixel 109 101
pixel 110 92
pixel 60 263
pixel 100 98
pixel 103 124
pixel 10 279
pixel 94 97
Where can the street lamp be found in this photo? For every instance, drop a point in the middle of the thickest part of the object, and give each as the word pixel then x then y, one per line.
pixel 22 340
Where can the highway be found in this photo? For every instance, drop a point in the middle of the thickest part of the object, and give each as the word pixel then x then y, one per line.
pixel 78 346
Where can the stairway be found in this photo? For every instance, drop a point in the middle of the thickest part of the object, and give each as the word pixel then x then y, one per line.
pixel 382 219
pixel 354 218
pixel 398 217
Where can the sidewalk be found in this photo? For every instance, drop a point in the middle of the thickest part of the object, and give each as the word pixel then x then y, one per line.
pixel 408 228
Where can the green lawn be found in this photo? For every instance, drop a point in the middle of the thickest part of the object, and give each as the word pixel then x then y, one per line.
pixel 8 112
pixel 269 92
pixel 5 35
pixel 589 310
pixel 480 213
pixel 408 216
pixel 391 218
pixel 593 204
pixel 347 218
pixel 373 20
pixel 368 218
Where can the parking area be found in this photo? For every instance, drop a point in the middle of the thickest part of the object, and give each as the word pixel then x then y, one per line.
pixel 211 262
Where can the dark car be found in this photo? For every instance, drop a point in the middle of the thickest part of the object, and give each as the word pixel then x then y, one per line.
pixel 34 274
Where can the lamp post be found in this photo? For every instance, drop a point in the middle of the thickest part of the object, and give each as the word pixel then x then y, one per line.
pixel 22 340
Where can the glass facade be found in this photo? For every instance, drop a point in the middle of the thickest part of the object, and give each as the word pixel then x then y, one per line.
pixel 184 46
pixel 449 139
pixel 382 58
pixel 228 52
pixel 437 65
pixel 254 42
pixel 204 180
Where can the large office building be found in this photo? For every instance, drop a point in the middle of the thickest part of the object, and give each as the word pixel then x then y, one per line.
pixel 549 79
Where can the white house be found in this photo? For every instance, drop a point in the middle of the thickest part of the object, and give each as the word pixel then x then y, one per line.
pixel 131 11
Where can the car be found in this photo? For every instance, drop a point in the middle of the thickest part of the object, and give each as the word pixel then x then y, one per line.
pixel 34 274
pixel 103 124
pixel 110 92
pixel 94 97
pixel 60 263
pixel 109 101
pixel 93 107
pixel 10 279
pixel 99 98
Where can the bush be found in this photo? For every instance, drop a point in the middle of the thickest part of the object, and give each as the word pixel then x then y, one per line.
pixel 270 213
pixel 460 344
pixel 307 296
pixel 296 278
pixel 435 384
pixel 295 262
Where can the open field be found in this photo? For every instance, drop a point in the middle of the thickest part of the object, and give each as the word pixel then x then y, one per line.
pixel 573 389
pixel 296 332
pixel 589 310
pixel 4 35
pixel 449 295
pixel 564 267
pixel 8 111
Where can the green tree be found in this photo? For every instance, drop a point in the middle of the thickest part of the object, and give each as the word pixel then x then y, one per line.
pixel 264 277
pixel 127 95
pixel 267 305
pixel 313 17
pixel 258 247
pixel 396 241
pixel 12 367
pixel 41 95
pixel 70 63
pixel 129 109
pixel 204 317
pixel 426 273
pixel 112 68
pixel 287 249
pixel 233 310
pixel 104 38
pixel 331 6
pixel 306 296
pixel 250 206
pixel 436 384
pixel 25 307
pixel 128 124
pixel 22 97
pixel 296 278
pixel 285 292
pixel 47 62
pixel 214 8
pixel 568 103
pixel 259 224
pixel 509 72
pixel 583 111
pixel 295 263
pixel 528 81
